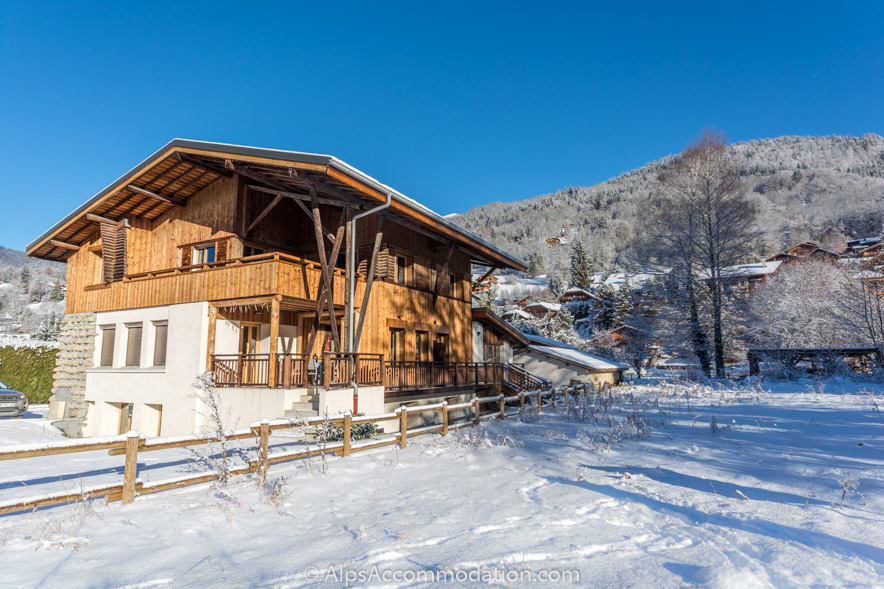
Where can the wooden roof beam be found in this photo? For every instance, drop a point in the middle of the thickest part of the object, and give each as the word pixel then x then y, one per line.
pixel 63 245
pixel 155 196
pixel 300 196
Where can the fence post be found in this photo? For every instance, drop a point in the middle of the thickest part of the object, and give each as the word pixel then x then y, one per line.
pixel 521 399
pixel 566 395
pixel 263 440
pixel 502 407
pixel 403 427
pixel 553 397
pixel 131 467
pixel 347 419
pixel 539 402
pixel 476 410
pixel 444 418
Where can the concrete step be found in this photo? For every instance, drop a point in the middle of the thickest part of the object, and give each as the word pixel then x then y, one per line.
pixel 303 406
pixel 300 413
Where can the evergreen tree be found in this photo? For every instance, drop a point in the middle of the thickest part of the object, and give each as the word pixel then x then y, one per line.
pixel 57 292
pixel 25 276
pixel 581 267
pixel 606 316
pixel 535 264
pixel 625 305
pixel 555 285
pixel 560 327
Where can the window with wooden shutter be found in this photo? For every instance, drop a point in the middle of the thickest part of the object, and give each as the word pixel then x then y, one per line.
pixel 113 251
pixel 108 335
pixel 133 344
pixel 160 343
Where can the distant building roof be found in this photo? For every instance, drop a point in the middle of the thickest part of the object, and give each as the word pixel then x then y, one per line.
pixel 578 358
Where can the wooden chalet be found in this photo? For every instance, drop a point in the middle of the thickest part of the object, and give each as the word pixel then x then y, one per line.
pixel 576 294
pixel 804 252
pixel 298 282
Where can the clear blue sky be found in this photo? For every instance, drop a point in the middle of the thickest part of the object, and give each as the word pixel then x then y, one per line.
pixel 453 104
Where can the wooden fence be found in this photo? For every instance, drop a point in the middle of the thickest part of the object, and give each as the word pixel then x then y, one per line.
pixel 132 443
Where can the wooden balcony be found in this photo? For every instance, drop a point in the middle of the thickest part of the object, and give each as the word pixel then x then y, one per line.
pixel 333 371
pixel 255 276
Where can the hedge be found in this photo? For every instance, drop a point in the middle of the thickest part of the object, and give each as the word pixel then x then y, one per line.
pixel 28 370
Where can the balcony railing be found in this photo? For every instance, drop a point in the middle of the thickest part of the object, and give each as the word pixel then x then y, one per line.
pixel 298 370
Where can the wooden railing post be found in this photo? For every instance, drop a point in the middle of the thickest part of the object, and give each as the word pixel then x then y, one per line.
pixel 539 402
pixel 502 408
pixel 239 362
pixel 131 467
pixel 553 397
pixel 347 419
pixel 287 371
pixel 566 395
pixel 521 399
pixel 444 418
pixel 264 440
pixel 476 410
pixel 403 427
pixel 326 371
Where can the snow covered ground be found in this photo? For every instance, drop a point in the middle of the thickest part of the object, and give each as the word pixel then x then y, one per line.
pixel 644 491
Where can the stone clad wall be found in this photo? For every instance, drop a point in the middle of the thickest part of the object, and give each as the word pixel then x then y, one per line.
pixel 75 354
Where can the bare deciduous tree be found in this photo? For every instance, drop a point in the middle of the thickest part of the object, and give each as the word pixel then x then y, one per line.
pixel 700 222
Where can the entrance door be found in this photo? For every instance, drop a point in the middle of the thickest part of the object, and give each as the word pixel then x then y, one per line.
pixel 249 340
pixel 440 348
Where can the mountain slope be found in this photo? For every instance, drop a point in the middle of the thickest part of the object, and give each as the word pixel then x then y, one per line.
pixel 805 188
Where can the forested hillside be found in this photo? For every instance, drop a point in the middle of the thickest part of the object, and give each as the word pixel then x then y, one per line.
pixel 31 296
pixel 805 188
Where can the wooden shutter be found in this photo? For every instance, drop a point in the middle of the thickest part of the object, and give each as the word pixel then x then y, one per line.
pixel 159 349
pixel 387 263
pixel 133 345
pixel 187 255
pixel 113 251
pixel 221 250
pixel 107 346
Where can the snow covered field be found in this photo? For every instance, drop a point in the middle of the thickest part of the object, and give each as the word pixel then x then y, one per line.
pixel 644 492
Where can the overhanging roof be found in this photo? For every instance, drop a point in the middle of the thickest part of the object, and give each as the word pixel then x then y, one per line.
pixel 491 318
pixel 183 167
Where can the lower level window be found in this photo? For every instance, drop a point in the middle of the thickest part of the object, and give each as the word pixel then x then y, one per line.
pixel 125 418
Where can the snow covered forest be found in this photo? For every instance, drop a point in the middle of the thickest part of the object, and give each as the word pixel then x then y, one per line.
pixel 804 187
pixel 31 299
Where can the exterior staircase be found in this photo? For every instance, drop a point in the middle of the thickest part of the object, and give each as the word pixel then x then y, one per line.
pixel 306 406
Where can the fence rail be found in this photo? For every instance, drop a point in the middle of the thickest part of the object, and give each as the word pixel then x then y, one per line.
pixel 131 444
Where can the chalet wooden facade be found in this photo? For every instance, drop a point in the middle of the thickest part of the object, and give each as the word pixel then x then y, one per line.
pixel 804 252
pixel 288 272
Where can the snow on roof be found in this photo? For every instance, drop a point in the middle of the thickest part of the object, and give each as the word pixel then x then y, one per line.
pixel 517 313
pixel 547 306
pixel 578 357
pixel 545 341
pixel 577 290
pixel 746 270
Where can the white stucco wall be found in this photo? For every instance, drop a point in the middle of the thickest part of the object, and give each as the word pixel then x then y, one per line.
pixel 166 386
pixel 560 374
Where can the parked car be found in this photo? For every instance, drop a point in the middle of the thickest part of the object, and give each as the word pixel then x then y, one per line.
pixel 12 403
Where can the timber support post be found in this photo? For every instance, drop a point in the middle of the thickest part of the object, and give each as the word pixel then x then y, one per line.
pixel 131 467
pixel 264 440
pixel 347 421
pixel 403 427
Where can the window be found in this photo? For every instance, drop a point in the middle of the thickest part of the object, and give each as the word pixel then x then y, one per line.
pixel 108 335
pixel 204 254
pixel 422 346
pixel 401 265
pixel 250 250
pixel 160 341
pixel 397 345
pixel 133 344
pixel 492 352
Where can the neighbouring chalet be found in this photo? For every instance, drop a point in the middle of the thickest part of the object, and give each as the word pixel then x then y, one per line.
pixel 805 252
pixel 494 340
pixel 541 309
pixel 576 294
pixel 562 364
pixel 297 281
